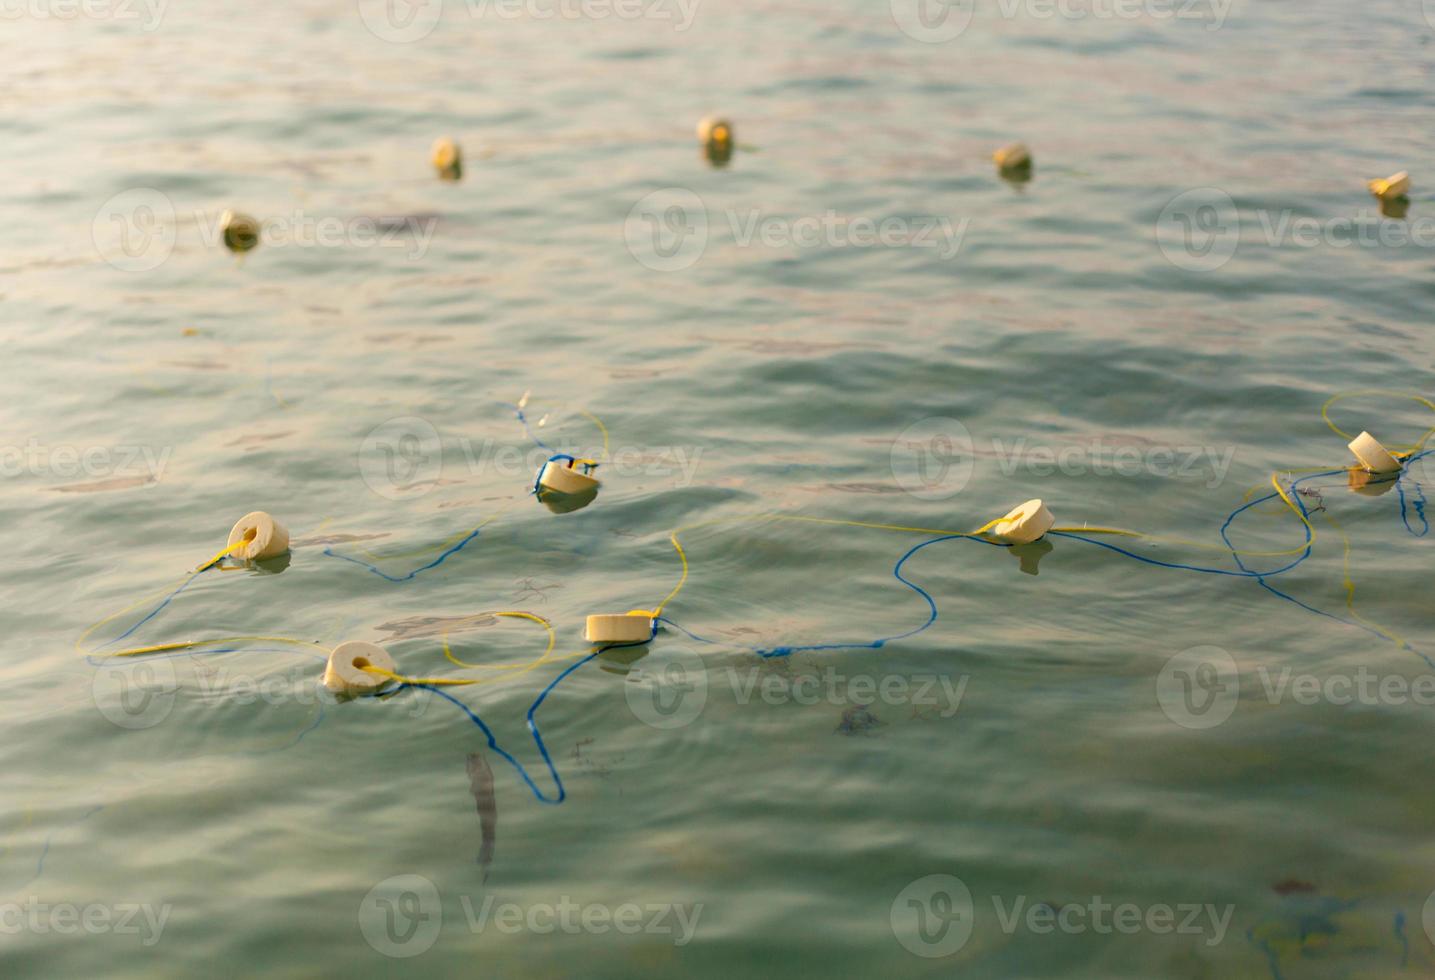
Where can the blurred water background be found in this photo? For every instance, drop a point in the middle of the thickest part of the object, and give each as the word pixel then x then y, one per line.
pixel 1139 335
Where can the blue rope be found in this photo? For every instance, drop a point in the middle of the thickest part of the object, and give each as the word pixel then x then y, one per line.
pixel 156 610
pixel 409 577
pixel 1418 505
pixel 524 420
pixel 532 718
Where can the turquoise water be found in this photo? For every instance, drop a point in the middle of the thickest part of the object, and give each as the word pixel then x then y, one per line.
pixel 1139 336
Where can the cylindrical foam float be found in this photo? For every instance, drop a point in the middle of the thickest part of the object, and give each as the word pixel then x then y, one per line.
pixel 239 231
pixel 714 129
pixel 1025 524
pixel 563 477
pixel 264 536
pixel 345 673
pixel 1013 156
pixel 1372 455
pixel 1396 185
pixel 447 158
pixel 633 627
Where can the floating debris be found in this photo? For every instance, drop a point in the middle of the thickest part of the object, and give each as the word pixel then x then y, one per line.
pixel 480 784
pixel 858 720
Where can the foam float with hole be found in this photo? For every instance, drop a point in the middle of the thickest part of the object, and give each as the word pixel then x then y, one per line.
pixel 345 673
pixel 1025 524
pixel 631 627
pixel 264 536
pixel 1372 455
pixel 239 231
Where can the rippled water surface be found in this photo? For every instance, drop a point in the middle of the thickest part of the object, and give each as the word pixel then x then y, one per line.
pixel 856 320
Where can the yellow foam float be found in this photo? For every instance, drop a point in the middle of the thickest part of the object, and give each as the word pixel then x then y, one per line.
pixel 1372 455
pixel 561 476
pixel 239 231
pixel 630 627
pixel 447 158
pixel 1024 524
pixel 1013 161
pixel 717 138
pixel 1392 187
pixel 258 536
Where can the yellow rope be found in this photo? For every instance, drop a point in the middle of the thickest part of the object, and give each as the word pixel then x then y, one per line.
pixel 601 428
pixel 552 640
pixel 236 546
pixel 431 681
pixel 190 644
pixel 1349 586
pixel 1369 392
